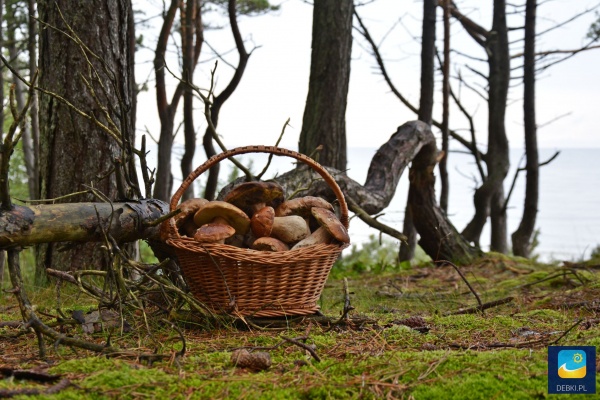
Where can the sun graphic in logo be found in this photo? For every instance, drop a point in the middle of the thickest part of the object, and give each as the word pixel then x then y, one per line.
pixel 572 364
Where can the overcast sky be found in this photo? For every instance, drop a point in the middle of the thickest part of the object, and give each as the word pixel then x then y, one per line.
pixel 275 84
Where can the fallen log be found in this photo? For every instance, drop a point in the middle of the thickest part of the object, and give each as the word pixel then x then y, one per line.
pixel 80 222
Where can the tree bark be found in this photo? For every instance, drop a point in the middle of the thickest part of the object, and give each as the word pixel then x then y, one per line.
pixel 522 237
pixel 324 120
pixel 74 150
pixel 407 249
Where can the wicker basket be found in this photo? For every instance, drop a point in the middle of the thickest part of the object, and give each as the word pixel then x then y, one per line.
pixel 246 282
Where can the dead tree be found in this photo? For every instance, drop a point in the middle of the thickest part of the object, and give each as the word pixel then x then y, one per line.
pixel 415 142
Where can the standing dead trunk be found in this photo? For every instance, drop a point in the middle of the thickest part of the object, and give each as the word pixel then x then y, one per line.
pixel 324 120
pixel 75 152
pixel 522 237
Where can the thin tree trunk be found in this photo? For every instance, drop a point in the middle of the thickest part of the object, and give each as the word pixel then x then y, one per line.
pixel 2 252
pixel 192 24
pixel 166 111
pixel 443 167
pixel 324 120
pixel 26 139
pixel 489 197
pixel 522 237
pixel 407 250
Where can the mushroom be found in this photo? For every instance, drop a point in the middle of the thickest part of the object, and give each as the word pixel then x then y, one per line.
pixel 188 209
pixel 290 229
pixel 185 219
pixel 328 220
pixel 261 222
pixel 317 237
pixel 252 196
pixel 214 233
pixel 223 213
pixel 269 244
pixel 301 206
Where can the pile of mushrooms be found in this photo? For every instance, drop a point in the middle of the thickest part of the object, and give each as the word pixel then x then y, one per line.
pixel 255 215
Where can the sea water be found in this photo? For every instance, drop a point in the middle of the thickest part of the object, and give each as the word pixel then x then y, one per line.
pixel 568 217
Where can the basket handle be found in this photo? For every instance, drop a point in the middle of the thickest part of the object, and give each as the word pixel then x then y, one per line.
pixel 259 149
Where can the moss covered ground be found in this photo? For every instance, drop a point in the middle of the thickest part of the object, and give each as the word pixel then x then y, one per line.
pixel 402 340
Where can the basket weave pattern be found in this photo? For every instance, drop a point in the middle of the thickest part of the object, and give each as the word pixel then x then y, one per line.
pixel 246 282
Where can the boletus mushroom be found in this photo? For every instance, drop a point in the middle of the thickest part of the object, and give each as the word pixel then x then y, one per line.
pixel 262 221
pixel 184 221
pixel 253 196
pixel 214 233
pixel 221 212
pixel 301 206
pixel 319 236
pixel 269 244
pixel 290 229
pixel 328 220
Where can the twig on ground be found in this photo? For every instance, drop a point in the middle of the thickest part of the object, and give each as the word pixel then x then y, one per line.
pixel 481 307
pixel 463 278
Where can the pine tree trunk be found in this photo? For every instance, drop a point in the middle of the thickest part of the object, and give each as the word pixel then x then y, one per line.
pixel 407 250
pixel 75 152
pixel 522 237
pixel 489 197
pixel 324 121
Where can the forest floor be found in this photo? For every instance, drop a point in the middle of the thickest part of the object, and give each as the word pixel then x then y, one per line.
pixel 403 339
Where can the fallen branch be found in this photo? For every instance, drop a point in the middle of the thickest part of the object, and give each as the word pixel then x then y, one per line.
pixel 463 278
pixel 481 307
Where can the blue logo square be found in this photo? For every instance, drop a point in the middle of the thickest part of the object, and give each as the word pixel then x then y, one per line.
pixel 572 369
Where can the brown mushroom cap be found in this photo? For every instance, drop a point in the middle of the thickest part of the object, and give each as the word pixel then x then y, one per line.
pixel 250 196
pixel 214 233
pixel 317 237
pixel 290 229
pixel 269 244
pixel 188 209
pixel 331 223
pixel 261 222
pixel 301 206
pixel 220 209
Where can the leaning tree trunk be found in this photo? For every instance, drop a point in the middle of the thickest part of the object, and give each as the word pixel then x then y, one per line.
pixel 521 238
pixel 324 121
pixel 407 249
pixel 91 49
